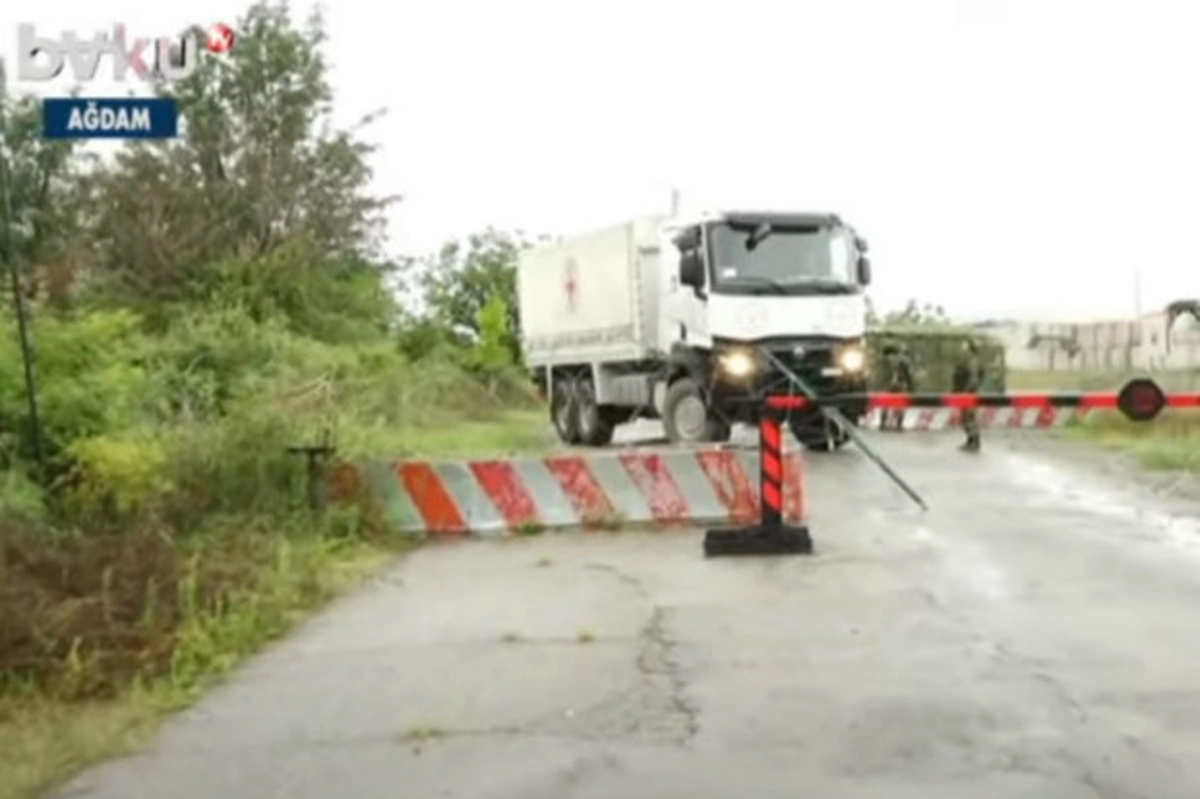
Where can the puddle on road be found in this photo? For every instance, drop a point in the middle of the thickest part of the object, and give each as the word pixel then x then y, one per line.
pixel 968 563
pixel 1061 486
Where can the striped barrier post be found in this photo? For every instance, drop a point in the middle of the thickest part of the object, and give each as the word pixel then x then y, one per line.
pixel 771 535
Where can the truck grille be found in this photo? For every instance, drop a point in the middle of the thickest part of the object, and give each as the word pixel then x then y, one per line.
pixel 808 366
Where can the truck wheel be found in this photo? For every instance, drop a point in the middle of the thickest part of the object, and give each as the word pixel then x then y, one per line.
pixel 816 433
pixel 686 416
pixel 562 411
pixel 592 423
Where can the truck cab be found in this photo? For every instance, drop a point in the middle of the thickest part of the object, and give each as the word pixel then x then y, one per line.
pixel 738 282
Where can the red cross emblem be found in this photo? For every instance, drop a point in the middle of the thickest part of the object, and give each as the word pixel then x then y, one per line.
pixel 571 281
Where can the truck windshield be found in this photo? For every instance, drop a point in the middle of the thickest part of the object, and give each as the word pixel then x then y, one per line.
pixel 762 259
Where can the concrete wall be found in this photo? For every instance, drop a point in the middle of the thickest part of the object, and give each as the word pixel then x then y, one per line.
pixel 1120 346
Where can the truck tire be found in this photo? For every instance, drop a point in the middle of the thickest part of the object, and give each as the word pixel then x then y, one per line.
pixel 563 415
pixel 591 422
pixel 812 433
pixel 687 417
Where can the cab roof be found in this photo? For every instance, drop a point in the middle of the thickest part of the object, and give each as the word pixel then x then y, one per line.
pixel 781 218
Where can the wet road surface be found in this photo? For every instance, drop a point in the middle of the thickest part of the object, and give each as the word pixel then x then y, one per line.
pixel 1035 634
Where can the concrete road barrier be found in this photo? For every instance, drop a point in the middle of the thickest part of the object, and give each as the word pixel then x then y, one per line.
pixel 584 490
pixel 924 419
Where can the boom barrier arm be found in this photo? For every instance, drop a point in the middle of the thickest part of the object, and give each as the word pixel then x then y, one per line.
pixel 778 402
pixel 1140 400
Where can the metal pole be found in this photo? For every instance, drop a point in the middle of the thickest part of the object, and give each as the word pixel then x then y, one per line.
pixel 836 416
pixel 14 273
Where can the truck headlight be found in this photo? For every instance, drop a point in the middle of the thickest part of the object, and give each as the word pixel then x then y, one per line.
pixel 852 359
pixel 737 364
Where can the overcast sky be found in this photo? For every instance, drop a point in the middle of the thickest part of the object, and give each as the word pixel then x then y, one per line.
pixel 1015 158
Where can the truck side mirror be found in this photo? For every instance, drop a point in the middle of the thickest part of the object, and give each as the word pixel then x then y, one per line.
pixel 860 244
pixel 687 239
pixel 691 269
pixel 864 270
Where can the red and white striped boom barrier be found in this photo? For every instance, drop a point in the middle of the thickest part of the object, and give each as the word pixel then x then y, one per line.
pixel 1140 400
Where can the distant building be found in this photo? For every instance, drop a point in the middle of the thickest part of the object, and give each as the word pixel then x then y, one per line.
pixel 1142 344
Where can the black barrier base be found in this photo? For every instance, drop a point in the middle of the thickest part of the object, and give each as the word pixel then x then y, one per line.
pixel 758 540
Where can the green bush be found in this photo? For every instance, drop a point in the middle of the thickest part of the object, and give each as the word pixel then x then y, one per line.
pixel 119 473
pixel 90 380
pixel 21 498
pixel 165 443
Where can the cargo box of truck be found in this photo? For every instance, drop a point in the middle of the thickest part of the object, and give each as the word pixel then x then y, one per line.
pixel 592 297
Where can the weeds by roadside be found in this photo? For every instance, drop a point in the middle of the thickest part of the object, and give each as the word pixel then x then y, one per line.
pixel 1169 443
pixel 103 693
pixel 423 731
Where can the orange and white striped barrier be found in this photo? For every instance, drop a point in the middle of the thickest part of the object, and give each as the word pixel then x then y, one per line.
pixel 932 419
pixel 676 488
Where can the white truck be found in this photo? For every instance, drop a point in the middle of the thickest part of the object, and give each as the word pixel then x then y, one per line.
pixel 663 317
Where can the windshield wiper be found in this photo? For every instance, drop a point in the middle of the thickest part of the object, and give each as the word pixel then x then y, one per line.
pixel 824 285
pixel 765 282
pixel 818 285
pixel 758 236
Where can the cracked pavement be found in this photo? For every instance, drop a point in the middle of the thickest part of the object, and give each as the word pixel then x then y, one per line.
pixel 1037 633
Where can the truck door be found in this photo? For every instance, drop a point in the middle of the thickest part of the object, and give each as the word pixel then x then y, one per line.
pixel 685 311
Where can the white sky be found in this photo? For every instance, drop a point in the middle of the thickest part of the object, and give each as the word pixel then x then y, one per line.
pixel 1022 157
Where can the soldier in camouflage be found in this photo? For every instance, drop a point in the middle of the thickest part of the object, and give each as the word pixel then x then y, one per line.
pixel 899 379
pixel 968 379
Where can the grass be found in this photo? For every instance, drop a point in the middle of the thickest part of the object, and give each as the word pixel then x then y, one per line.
pixel 531 528
pixel 523 431
pixel 424 732
pixel 1170 442
pixel 241 588
pixel 44 741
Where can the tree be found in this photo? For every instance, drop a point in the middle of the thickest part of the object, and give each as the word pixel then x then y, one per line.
pixel 44 192
pixel 464 276
pixel 872 314
pixel 257 169
pixel 914 313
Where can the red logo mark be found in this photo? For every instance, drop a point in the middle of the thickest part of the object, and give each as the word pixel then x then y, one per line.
pixel 571 281
pixel 220 39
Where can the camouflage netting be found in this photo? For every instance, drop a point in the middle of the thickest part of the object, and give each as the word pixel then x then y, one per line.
pixel 934 354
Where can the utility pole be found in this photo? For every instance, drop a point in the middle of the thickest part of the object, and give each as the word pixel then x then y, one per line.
pixel 10 258
pixel 1137 291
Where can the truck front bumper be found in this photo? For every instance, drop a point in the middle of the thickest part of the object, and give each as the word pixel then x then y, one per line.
pixel 823 368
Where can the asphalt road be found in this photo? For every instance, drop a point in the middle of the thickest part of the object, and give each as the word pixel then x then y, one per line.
pixel 1035 634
